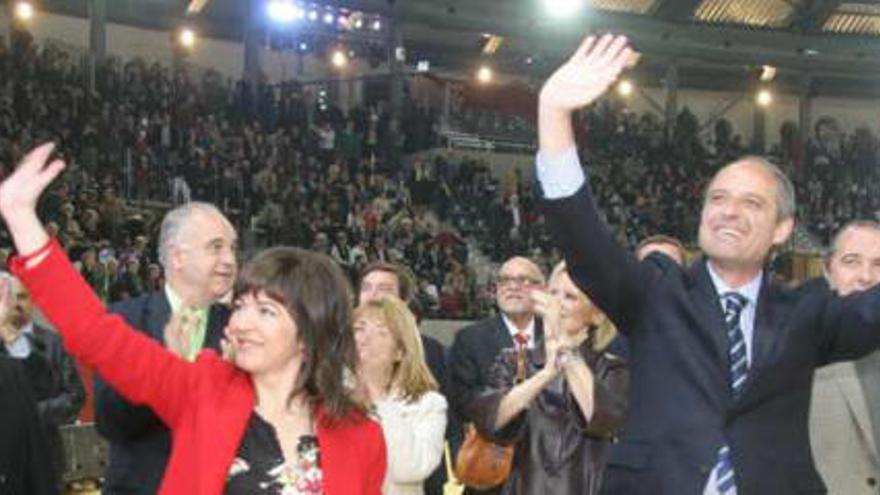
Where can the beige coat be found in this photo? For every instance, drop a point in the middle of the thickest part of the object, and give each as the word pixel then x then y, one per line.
pixel 841 434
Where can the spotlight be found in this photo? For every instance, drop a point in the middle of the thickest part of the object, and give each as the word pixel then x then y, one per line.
pixel 359 23
pixel 530 60
pixel 187 38
pixel 764 98
pixel 563 8
pixel 303 46
pixel 625 88
pixel 24 11
pixel 339 59
pixel 484 75
pixel 283 11
pixel 313 15
pixel 377 25
pixel 328 18
pixel 423 66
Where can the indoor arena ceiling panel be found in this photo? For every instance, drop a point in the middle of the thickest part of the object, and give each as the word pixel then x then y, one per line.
pixel 754 13
pixel 854 18
pixel 628 6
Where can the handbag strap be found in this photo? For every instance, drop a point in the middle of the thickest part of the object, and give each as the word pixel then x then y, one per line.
pixel 450 473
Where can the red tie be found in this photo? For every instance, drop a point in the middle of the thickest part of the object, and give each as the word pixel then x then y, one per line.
pixel 522 339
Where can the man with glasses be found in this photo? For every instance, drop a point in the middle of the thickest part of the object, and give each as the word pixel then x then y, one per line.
pixel 476 346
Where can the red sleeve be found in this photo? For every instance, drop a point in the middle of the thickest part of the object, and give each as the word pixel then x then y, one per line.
pixel 135 365
pixel 380 459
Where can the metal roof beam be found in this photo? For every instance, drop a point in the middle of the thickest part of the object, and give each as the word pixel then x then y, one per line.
pixel 813 15
pixel 676 10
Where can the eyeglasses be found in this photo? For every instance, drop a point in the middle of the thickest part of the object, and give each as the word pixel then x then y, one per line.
pixel 510 281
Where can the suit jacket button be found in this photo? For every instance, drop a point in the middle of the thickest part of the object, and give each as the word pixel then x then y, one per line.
pixel 872 481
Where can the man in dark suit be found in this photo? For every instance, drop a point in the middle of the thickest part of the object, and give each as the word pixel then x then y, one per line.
pixel 24 453
pixel 476 346
pixel 722 360
pixel 59 393
pixel 197 250
pixel 380 279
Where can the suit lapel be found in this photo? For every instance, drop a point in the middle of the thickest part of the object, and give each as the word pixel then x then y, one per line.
pixel 503 339
pixel 706 309
pixel 767 329
pixel 217 318
pixel 851 388
pixel 157 313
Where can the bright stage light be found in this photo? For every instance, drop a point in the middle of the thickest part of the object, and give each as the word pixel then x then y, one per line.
pixel 339 59
pixel 328 18
pixel 24 11
pixel 313 15
pixel 484 75
pixel 187 38
pixel 764 97
pixel 377 25
pixel 283 11
pixel 625 88
pixel 562 8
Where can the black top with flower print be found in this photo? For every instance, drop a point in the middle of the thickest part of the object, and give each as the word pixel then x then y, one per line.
pixel 260 468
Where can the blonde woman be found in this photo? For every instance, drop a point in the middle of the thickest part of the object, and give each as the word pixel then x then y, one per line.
pixel 395 380
pixel 562 417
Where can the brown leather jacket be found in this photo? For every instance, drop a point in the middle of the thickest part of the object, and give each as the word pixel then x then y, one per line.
pixel 557 450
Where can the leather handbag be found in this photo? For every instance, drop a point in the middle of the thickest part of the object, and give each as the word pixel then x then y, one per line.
pixel 482 463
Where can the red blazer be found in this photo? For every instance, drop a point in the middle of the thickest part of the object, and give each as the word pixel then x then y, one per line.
pixel 206 404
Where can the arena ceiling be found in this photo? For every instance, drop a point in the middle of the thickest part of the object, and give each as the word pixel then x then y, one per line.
pixel 716 44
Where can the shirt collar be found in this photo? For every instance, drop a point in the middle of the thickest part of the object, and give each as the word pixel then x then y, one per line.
pixel 749 290
pixel 514 330
pixel 176 302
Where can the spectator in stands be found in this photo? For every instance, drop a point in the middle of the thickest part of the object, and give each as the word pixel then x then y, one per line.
pixel 401 390
pixel 570 403
pixel 845 410
pixel 477 346
pixel 289 337
pixel 197 249
pixel 61 395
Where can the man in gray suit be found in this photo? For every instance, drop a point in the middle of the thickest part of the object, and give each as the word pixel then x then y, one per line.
pixel 845 413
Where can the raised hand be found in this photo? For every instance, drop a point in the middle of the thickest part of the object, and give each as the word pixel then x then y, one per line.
pixel 21 190
pixel 18 200
pixel 587 74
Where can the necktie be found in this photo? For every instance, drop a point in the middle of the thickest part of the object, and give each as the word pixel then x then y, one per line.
pixel 739 369
pixel 738 359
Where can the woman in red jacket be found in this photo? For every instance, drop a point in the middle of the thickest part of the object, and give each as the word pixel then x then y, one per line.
pixel 274 418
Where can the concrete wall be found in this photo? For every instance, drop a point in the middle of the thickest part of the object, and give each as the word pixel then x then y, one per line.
pixel 443 330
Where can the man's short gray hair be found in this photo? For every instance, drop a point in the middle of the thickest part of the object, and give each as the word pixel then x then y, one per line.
pixel 174 224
